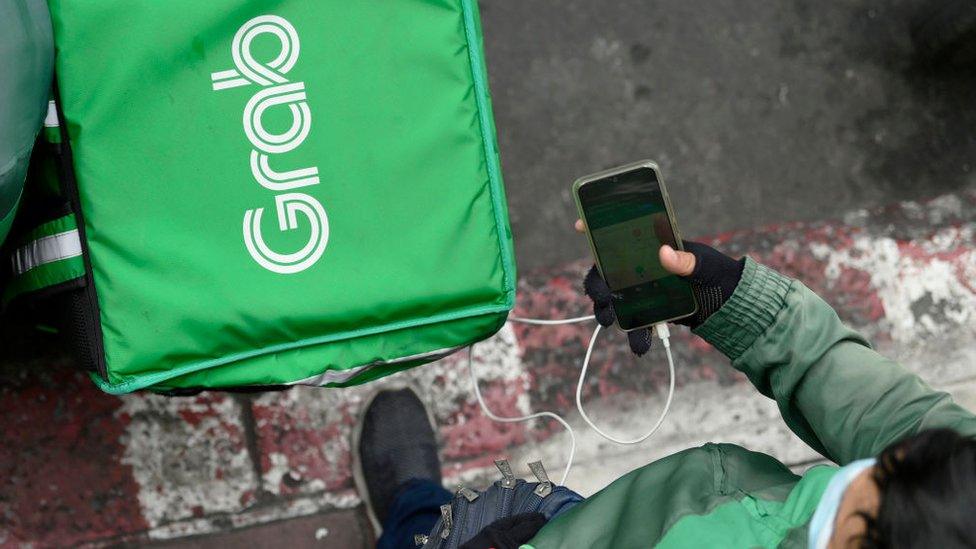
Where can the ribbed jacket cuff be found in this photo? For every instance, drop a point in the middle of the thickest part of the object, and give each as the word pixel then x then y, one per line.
pixel 752 309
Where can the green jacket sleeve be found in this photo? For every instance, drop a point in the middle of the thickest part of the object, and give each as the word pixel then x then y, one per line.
pixel 836 393
pixel 26 65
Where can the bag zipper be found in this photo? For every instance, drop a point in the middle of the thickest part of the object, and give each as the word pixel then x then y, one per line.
pixel 460 515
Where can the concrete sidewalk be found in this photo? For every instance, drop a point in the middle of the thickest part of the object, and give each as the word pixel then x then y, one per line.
pixel 80 467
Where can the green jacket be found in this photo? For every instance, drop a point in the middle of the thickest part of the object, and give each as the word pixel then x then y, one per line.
pixel 26 65
pixel 842 398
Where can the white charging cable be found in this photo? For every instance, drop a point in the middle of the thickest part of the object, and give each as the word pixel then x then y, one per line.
pixel 551 415
pixel 662 332
pixel 538 322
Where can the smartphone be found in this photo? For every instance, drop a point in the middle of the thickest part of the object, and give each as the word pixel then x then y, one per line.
pixel 628 217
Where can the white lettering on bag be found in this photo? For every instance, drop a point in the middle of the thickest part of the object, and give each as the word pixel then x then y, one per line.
pixel 277 93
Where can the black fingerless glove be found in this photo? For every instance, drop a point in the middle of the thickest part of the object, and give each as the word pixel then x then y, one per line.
pixel 714 279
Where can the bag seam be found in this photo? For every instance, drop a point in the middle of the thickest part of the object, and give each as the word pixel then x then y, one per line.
pixel 476 63
pixel 135 384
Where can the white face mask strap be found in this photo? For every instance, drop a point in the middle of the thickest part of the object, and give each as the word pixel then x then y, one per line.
pixel 662 332
pixel 821 526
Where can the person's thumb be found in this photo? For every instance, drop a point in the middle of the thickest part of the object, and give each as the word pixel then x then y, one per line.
pixel 676 262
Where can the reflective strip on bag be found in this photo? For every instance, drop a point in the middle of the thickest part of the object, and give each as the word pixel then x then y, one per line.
pixel 46 257
pixel 51 118
pixel 46 250
pixel 52 124
pixel 344 376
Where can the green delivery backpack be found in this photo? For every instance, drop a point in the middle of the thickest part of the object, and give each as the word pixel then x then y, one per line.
pixel 271 192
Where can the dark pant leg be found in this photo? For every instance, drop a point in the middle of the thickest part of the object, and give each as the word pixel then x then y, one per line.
pixel 415 510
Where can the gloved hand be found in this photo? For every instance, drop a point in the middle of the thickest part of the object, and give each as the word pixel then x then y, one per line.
pixel 507 533
pixel 713 276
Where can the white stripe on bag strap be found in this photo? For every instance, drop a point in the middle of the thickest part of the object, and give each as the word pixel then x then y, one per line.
pixel 46 250
pixel 51 120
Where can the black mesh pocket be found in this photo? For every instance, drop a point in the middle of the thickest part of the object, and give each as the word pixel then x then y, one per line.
pixel 80 329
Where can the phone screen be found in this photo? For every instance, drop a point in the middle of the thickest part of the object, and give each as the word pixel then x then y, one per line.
pixel 628 222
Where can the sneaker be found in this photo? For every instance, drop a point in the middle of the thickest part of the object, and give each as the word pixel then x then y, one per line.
pixel 393 443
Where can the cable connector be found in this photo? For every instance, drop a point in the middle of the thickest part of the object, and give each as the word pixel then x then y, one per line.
pixel 663 333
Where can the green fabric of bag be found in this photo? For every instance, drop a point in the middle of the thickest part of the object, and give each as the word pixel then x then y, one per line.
pixel 279 192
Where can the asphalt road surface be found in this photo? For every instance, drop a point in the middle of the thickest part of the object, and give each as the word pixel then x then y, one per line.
pixel 757 112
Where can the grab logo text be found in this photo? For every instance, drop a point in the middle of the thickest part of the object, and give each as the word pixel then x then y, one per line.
pixel 266 159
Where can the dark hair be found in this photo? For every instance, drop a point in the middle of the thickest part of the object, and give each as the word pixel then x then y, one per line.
pixel 928 493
